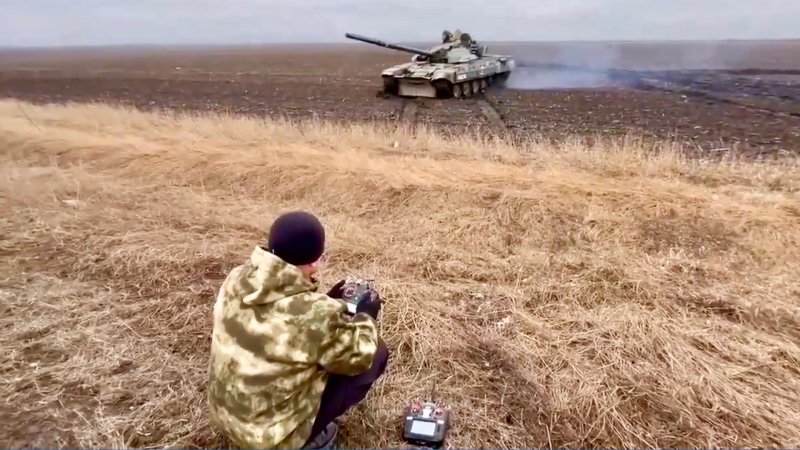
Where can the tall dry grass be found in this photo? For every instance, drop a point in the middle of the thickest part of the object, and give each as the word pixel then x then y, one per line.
pixel 570 296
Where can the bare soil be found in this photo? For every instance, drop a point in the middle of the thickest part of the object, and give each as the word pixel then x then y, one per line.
pixel 741 97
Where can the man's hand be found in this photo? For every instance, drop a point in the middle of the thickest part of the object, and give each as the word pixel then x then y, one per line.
pixel 336 291
pixel 370 303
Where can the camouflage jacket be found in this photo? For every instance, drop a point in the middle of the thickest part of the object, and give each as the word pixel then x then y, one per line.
pixel 274 342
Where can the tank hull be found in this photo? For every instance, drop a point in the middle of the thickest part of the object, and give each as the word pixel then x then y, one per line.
pixel 440 80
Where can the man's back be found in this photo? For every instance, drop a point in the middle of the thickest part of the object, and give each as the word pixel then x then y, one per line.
pixel 274 339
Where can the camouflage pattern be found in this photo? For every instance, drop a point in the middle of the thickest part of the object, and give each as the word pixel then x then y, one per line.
pixel 274 340
pixel 458 67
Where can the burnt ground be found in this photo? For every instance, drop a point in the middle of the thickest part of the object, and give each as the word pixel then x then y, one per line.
pixel 730 97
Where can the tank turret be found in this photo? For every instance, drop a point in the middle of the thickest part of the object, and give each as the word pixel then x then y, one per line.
pixel 457 67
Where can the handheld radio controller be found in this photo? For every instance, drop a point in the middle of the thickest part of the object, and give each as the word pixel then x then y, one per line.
pixel 426 422
pixel 352 291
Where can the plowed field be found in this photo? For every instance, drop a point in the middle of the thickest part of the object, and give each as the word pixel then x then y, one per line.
pixel 737 97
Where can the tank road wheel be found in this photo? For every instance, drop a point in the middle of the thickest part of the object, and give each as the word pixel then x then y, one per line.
pixel 476 87
pixel 484 84
pixel 457 91
pixel 467 86
pixel 444 89
pixel 390 85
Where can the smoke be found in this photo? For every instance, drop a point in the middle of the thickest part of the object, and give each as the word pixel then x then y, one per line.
pixel 534 77
pixel 549 66
pixel 564 66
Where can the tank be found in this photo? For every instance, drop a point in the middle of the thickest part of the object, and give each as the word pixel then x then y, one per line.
pixel 458 67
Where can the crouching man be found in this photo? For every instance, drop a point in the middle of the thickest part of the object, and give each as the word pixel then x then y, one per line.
pixel 287 361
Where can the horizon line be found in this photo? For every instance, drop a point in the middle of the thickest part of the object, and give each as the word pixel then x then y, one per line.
pixel 349 42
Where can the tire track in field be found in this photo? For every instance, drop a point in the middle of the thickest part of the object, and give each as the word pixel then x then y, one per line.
pixel 491 114
pixel 408 113
pixel 481 106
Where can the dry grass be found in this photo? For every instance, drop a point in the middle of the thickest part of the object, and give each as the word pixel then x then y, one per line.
pixel 563 297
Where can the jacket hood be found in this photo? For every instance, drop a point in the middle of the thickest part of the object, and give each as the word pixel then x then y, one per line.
pixel 272 279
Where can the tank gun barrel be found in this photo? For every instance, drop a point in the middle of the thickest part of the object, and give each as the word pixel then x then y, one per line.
pixel 402 48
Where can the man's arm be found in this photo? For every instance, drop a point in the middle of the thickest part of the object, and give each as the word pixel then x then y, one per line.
pixel 349 344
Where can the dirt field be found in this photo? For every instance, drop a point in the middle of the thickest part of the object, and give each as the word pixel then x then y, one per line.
pixel 741 97
pixel 562 296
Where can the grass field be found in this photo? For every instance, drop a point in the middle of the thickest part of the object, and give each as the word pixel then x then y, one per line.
pixel 582 297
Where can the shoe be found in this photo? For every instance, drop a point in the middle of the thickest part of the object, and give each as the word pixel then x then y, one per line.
pixel 325 439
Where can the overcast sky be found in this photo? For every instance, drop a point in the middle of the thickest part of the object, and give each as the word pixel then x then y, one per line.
pixel 98 22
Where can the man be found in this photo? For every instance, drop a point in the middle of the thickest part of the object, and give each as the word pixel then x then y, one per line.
pixel 447 36
pixel 285 360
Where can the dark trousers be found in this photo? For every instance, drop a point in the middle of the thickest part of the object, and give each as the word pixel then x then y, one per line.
pixel 343 392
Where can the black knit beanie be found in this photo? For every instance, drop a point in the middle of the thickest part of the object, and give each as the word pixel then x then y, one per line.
pixel 297 238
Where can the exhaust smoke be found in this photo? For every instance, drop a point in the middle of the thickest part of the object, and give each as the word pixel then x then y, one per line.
pixel 571 66
pixel 529 76
pixel 603 64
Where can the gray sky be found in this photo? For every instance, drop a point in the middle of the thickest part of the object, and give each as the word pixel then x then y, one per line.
pixel 98 22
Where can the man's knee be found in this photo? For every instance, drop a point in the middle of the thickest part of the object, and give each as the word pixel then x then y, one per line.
pixel 381 359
